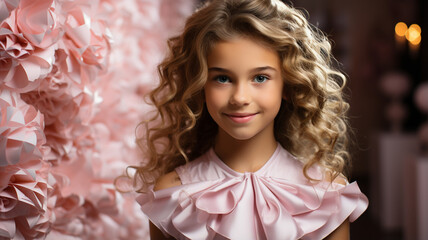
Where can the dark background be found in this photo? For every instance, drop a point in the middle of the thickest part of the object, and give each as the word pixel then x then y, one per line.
pixel 364 41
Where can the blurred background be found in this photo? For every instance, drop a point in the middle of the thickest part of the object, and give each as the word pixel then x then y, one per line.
pixel 382 46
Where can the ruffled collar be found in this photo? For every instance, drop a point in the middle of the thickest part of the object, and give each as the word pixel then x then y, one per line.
pixel 252 206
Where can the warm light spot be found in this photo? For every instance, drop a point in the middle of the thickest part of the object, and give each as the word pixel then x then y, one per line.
pixel 416 41
pixel 413 33
pixel 416 27
pixel 400 29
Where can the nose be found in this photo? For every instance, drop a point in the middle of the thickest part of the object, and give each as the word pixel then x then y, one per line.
pixel 240 95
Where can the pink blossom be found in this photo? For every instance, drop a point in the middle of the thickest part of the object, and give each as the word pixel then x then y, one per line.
pixel 38 22
pixel 6 6
pixel 26 53
pixel 104 197
pixel 68 109
pixel 27 39
pixel 86 41
pixel 102 214
pixel 23 198
pixel 58 68
pixel 61 101
pixel 81 217
pixel 21 130
pixel 90 38
pixel 69 144
pixel 69 215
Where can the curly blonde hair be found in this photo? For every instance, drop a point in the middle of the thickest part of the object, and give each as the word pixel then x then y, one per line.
pixel 312 122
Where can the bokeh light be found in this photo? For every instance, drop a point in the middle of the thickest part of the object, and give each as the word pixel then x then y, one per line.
pixel 401 29
pixel 413 34
pixel 417 40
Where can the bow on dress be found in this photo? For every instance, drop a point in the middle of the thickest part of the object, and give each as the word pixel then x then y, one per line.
pixel 253 207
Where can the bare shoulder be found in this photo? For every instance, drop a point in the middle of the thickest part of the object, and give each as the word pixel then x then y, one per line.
pixel 168 180
pixel 340 179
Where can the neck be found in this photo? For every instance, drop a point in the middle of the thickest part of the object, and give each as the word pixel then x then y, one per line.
pixel 245 155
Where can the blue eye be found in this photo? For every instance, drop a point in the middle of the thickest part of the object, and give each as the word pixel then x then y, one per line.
pixel 260 79
pixel 222 79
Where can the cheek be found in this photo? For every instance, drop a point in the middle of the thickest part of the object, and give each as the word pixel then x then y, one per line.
pixel 272 98
pixel 272 106
pixel 214 98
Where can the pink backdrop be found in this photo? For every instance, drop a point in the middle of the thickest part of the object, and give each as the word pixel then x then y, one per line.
pixel 72 77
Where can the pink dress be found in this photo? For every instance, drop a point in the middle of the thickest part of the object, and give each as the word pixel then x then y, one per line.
pixel 275 202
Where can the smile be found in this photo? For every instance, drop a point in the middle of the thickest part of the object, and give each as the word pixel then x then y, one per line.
pixel 241 117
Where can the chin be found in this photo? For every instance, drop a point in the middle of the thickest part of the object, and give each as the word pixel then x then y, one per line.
pixel 241 137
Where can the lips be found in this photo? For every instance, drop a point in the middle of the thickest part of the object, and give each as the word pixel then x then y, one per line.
pixel 240 117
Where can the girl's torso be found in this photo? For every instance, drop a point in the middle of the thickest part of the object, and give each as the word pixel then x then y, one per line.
pixel 275 202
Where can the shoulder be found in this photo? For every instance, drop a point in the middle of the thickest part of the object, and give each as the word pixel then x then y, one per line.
pixel 339 179
pixel 168 180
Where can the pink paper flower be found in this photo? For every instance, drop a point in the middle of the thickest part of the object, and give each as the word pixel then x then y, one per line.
pixel 27 45
pixel 71 143
pixel 6 6
pixel 86 41
pixel 53 61
pixel 60 145
pixel 38 22
pixel 23 198
pixel 133 225
pixel 78 216
pixel 21 130
pixel 69 215
pixel 68 108
pixel 104 197
pixel 61 101
pixel 90 37
pixel 102 214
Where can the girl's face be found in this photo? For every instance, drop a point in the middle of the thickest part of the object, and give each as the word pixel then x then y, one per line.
pixel 243 92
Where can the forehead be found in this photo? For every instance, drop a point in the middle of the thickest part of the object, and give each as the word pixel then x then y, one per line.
pixel 242 51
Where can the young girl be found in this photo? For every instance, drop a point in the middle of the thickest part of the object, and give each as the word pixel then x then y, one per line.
pixel 249 140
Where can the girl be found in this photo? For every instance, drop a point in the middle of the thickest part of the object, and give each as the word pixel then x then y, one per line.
pixel 250 137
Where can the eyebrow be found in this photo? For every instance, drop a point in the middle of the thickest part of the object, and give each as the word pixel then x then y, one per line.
pixel 258 69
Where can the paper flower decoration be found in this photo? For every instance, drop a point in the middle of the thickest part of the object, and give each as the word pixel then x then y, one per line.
pixel 27 45
pixel 73 74
pixel 6 7
pixel 23 195
pixel 21 130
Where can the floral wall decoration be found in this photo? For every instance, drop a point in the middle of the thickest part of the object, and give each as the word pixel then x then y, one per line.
pixel 73 74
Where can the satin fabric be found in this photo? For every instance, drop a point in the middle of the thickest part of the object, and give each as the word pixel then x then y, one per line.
pixel 275 202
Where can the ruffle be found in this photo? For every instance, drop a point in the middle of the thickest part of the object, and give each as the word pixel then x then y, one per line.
pixel 253 207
